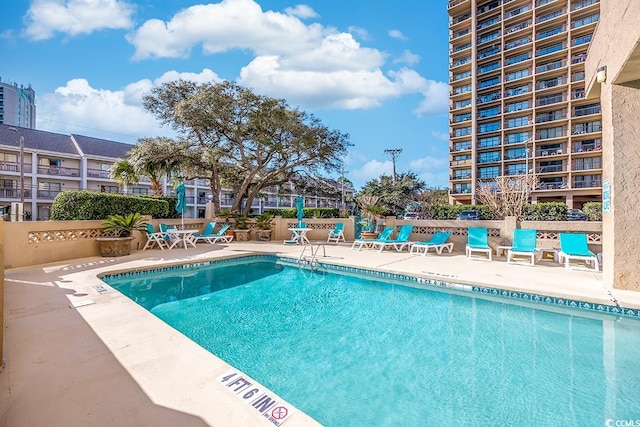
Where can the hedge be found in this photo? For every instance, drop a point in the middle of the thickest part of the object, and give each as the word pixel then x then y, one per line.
pixel 70 205
pixel 308 212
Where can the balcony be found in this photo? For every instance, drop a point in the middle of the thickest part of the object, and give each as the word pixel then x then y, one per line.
pixel 548 100
pixel 582 4
pixel 552 15
pixel 460 33
pixel 97 173
pixel 586 128
pixel 13 193
pixel 458 177
pixel 517 27
pixel 466 190
pixel 14 167
pixel 454 3
pixel 594 183
pixel 466 162
pixel 586 110
pixel 457 19
pixel 58 170
pixel 551 186
pixel 551 66
pixel 517 43
pixel 551 116
pixel 47 194
pixel 516 12
pixel 550 169
pixel 550 83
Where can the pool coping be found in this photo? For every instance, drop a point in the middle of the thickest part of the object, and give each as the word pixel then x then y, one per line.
pixel 425 280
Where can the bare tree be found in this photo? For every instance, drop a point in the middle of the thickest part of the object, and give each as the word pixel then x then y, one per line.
pixel 506 195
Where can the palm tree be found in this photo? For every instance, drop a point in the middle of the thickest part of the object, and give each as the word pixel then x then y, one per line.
pixel 124 174
pixel 155 158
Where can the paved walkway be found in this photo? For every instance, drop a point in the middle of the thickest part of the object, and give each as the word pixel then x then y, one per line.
pixel 112 363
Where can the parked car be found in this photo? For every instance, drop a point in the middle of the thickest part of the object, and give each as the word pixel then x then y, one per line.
pixel 576 215
pixel 468 215
pixel 411 215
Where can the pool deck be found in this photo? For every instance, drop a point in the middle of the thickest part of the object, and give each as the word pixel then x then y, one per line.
pixel 112 363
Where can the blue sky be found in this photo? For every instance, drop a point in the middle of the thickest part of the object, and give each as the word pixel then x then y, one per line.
pixel 376 70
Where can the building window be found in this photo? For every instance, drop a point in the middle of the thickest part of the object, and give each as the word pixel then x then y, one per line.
pixel 488 172
pixel 489 127
pixel 492 141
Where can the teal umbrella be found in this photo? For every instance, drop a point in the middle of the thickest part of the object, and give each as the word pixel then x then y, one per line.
pixel 181 206
pixel 300 208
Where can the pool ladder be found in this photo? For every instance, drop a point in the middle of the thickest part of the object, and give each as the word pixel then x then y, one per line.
pixel 311 259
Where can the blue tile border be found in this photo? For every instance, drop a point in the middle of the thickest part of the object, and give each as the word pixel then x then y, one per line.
pixel 482 290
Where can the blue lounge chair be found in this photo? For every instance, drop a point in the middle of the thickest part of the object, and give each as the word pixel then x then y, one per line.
pixel 154 238
pixel 399 243
pixel 478 241
pixel 437 242
pixel 206 234
pixel 574 246
pixel 360 243
pixel 337 233
pixel 221 236
pixel 524 244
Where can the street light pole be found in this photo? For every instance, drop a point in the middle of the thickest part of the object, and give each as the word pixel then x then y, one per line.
pixel 21 170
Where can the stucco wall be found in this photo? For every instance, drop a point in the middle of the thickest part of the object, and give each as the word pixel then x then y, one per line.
pixel 615 45
pixel 1 290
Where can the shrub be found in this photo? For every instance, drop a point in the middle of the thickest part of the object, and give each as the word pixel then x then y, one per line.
pixel 551 211
pixel 75 205
pixel 123 225
pixel 308 212
pixel 593 210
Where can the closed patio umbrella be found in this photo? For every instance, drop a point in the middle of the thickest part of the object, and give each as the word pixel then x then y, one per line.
pixel 300 208
pixel 181 206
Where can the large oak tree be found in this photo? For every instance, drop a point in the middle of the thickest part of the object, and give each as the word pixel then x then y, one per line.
pixel 247 142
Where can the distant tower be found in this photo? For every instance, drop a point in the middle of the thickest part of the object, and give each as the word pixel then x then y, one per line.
pixel 17 105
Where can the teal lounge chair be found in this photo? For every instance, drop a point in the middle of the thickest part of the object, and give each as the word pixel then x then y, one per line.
pixel 206 234
pixel 574 246
pixel 360 243
pixel 437 242
pixel 399 243
pixel 167 237
pixel 478 241
pixel 221 236
pixel 524 244
pixel 154 238
pixel 337 233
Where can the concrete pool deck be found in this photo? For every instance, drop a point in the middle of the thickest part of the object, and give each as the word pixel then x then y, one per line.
pixel 113 363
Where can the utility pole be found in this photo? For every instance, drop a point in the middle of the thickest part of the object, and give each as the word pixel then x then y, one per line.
pixel 342 181
pixel 393 152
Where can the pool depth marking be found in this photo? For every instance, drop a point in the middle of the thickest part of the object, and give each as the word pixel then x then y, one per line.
pixel 256 396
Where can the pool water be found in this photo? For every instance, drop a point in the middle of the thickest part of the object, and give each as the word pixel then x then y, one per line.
pixel 353 351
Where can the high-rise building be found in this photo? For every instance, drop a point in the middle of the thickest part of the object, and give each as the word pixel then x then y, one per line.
pixel 17 105
pixel 517 100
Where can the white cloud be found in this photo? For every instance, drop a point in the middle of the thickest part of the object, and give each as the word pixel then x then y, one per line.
pixel 361 33
pixel 436 99
pixel 309 65
pixel 230 24
pixel 302 11
pixel 77 105
pixel 434 171
pixel 47 17
pixel 407 57
pixel 397 34
pixel 372 170
pixel 440 135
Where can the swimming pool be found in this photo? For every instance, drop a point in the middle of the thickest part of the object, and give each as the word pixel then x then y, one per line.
pixel 358 351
